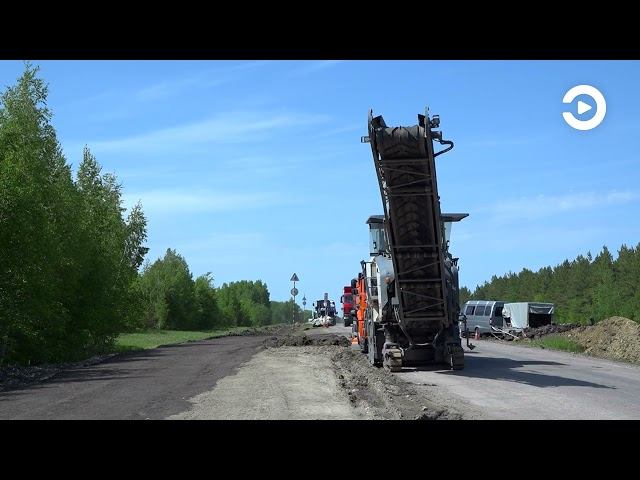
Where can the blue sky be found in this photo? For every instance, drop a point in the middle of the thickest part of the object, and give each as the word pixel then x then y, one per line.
pixel 255 170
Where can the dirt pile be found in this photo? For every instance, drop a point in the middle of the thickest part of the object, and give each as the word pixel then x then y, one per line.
pixel 548 330
pixel 304 340
pixel 384 394
pixel 277 329
pixel 616 338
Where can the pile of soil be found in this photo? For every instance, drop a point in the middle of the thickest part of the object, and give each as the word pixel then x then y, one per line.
pixel 382 393
pixel 277 329
pixel 616 338
pixel 548 330
pixel 303 340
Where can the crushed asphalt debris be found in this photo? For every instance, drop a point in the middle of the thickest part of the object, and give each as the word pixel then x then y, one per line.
pixel 16 376
pixel 304 340
pixel 384 394
pixel 548 330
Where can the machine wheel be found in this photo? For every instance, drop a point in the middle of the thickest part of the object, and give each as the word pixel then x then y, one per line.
pixel 364 346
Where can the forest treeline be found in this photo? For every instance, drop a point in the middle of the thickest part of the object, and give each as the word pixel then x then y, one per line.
pixel 71 258
pixel 172 299
pixel 582 289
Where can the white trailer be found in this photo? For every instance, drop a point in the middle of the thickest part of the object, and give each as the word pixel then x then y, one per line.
pixel 520 315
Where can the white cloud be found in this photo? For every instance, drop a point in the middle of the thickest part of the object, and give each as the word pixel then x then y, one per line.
pixel 217 242
pixel 362 127
pixel 206 79
pixel 238 250
pixel 192 201
pixel 233 127
pixel 168 88
pixel 116 102
pixel 317 65
pixel 549 205
pixel 497 142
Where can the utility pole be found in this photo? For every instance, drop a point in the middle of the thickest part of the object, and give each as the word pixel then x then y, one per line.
pixel 294 292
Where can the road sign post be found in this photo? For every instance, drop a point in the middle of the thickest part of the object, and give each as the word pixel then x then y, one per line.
pixel 304 304
pixel 294 292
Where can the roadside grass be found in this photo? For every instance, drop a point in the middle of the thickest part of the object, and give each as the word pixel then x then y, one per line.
pixel 557 342
pixel 127 342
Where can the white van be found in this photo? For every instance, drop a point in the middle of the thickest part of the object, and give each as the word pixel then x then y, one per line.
pixel 481 315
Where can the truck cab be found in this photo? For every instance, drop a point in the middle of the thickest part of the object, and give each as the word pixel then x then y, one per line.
pixel 348 306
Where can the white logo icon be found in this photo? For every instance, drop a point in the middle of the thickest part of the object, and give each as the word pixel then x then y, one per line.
pixel 601 107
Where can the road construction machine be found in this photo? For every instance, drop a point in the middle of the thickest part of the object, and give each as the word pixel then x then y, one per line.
pixel 411 280
pixel 324 313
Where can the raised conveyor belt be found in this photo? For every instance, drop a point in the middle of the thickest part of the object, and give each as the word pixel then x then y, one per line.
pixel 404 160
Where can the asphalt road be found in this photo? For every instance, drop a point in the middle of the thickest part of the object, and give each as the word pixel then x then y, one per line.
pixel 512 382
pixel 223 378
pixel 233 377
pixel 152 384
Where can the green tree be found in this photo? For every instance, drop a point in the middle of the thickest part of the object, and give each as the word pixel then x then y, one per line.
pixel 67 262
pixel 111 254
pixel 465 295
pixel 605 295
pixel 582 289
pixel 282 312
pixel 207 313
pixel 168 293
pixel 627 266
pixel 245 303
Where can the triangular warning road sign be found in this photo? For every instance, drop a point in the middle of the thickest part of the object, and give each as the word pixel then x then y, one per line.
pixel 295 278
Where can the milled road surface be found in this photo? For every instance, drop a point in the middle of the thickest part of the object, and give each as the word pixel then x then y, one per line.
pixel 512 382
pixel 152 384
pixel 286 383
